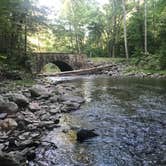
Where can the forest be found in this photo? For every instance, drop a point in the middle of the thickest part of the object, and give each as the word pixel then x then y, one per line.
pixel 82 82
pixel 131 29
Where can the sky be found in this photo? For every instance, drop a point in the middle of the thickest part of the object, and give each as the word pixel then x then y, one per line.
pixel 56 4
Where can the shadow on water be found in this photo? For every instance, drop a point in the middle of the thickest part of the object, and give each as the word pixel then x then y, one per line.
pixel 128 114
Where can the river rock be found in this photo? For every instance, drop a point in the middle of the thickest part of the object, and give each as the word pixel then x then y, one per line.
pixel 84 134
pixel 19 99
pixel 8 124
pixel 3 115
pixel 34 107
pixel 75 99
pixel 54 111
pixel 31 155
pixel 69 106
pixel 39 90
pixel 28 117
pixel 1 99
pixel 8 107
pixel 54 99
pixel 7 160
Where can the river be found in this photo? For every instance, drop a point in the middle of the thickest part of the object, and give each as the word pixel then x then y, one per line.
pixel 128 114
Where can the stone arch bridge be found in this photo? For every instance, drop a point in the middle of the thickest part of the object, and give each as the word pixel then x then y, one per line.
pixel 65 61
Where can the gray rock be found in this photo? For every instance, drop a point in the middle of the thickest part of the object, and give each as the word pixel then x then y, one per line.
pixel 69 106
pixel 7 160
pixel 75 99
pixel 24 136
pixel 1 99
pixel 3 115
pixel 46 123
pixel 39 90
pixel 45 117
pixel 34 107
pixel 29 117
pixel 19 99
pixel 54 99
pixel 8 107
pixel 54 111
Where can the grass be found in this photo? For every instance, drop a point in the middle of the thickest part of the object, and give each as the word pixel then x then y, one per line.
pixel 26 82
pixel 131 69
pixel 106 59
pixel 134 69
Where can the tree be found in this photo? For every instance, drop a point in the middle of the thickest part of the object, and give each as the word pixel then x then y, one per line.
pixel 125 28
pixel 145 28
pixel 18 19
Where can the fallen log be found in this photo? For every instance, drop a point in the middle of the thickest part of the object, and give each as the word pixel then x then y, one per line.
pixel 93 70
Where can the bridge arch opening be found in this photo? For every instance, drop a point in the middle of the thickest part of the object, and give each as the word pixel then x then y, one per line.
pixel 50 68
pixel 63 66
pixel 55 67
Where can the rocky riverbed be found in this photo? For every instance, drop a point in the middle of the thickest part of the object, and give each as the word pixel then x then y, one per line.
pixel 121 70
pixel 27 113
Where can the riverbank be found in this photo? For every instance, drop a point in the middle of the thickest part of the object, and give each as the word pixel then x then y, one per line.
pixel 29 112
pixel 123 68
pixel 31 109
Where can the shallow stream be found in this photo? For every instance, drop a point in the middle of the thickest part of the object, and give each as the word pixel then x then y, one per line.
pixel 128 114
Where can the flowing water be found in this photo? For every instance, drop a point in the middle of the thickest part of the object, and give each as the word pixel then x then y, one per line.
pixel 128 114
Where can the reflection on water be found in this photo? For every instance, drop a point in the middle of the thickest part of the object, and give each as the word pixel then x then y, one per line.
pixel 128 114
pixel 87 86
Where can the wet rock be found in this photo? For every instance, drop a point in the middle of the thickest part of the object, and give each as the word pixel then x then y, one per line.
pixel 6 160
pixel 8 107
pixel 34 135
pixel 31 155
pixel 46 123
pixel 45 117
pixel 54 111
pixel 3 115
pixel 19 99
pixel 54 99
pixel 24 136
pixel 84 134
pixel 1 99
pixel 39 90
pixel 28 117
pixel 34 106
pixel 76 99
pixel 8 124
pixel 69 106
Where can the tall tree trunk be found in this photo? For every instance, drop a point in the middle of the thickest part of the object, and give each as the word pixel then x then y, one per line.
pixel 25 37
pixel 145 24
pixel 114 28
pixel 125 29
pixel 77 43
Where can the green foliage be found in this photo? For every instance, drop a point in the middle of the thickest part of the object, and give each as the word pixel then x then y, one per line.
pixel 17 20
pixel 162 59
pixel 84 26
pixel 51 68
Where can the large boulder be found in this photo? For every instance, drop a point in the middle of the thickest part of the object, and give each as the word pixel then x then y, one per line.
pixel 8 107
pixel 39 90
pixel 84 134
pixel 19 99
